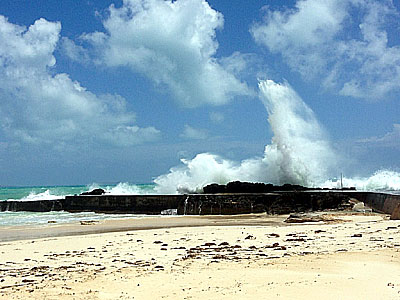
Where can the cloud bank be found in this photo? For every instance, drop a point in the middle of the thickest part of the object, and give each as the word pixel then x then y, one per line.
pixel 174 44
pixel 344 42
pixel 39 106
pixel 389 140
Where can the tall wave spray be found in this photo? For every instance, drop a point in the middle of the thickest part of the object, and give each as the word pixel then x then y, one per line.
pixel 299 152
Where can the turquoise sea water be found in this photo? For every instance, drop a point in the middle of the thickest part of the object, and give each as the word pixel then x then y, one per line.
pixel 57 192
pixel 40 192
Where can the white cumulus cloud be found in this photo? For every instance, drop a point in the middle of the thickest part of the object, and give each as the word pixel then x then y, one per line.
pixel 343 42
pixel 174 44
pixel 73 51
pixel 38 106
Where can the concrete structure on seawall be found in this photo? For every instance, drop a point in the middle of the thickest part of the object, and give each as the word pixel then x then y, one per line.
pixel 214 204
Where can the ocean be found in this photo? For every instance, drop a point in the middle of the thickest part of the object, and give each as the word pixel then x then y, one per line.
pixel 57 192
pixel 32 193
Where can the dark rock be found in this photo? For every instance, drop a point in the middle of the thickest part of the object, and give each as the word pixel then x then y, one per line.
pixel 89 222
pixel 95 192
pixel 296 240
pixel 250 187
pixel 247 187
pixel 280 248
pixel 391 227
pixel 214 189
pixel 303 218
pixel 273 235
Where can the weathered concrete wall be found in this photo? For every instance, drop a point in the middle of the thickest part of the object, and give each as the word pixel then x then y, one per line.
pixel 34 206
pixel 272 203
pixel 396 213
pixel 134 204
pixel 214 204
pixel 226 204
pixel 138 204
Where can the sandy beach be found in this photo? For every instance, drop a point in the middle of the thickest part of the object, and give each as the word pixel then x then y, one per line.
pixel 344 256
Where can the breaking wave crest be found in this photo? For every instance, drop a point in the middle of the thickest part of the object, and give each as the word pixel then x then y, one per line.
pixel 382 180
pixel 124 188
pixel 46 195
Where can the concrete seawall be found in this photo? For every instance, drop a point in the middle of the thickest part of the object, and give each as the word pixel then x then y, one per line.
pixel 380 202
pixel 212 204
pixel 138 204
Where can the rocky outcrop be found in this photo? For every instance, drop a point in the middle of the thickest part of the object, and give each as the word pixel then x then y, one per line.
pixel 95 192
pixel 257 187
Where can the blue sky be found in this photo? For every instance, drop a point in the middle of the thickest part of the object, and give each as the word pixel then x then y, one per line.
pixel 111 91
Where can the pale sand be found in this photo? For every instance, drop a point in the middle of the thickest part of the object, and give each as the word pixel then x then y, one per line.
pixel 255 257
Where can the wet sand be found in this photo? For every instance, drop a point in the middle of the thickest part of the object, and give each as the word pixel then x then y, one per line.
pixel 154 222
pixel 349 256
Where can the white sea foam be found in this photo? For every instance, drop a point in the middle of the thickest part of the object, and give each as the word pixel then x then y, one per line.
pixel 46 195
pixel 124 188
pixel 382 180
pixel 299 153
